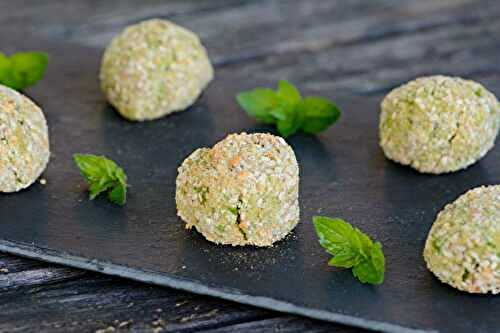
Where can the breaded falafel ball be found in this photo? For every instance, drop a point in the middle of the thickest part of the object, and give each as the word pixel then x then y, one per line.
pixel 154 68
pixel 24 141
pixel 243 191
pixel 438 124
pixel 463 246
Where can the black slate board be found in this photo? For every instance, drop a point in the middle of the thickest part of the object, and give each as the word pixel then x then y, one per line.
pixel 343 173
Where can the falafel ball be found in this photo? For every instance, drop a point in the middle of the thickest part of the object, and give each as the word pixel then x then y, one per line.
pixel 438 124
pixel 154 68
pixel 463 246
pixel 243 191
pixel 24 141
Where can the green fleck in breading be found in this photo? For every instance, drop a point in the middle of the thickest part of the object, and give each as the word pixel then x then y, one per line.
pixel 251 195
pixel 154 68
pixel 463 245
pixel 439 124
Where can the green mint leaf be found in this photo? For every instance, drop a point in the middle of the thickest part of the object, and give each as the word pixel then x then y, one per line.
pixel 97 188
pixel 346 258
pixel 351 248
pixel 4 66
pixel 288 93
pixel 336 235
pixel 118 194
pixel 319 114
pixel 371 270
pixel 288 121
pixel 103 175
pixel 22 69
pixel 258 103
pixel 286 109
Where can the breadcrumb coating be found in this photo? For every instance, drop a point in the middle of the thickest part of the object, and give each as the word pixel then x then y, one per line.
pixel 243 191
pixel 463 246
pixel 154 68
pixel 24 141
pixel 438 124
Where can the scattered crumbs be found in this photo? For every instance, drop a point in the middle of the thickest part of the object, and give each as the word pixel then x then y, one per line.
pixel 43 181
pixel 130 305
pixel 183 267
pixel 157 329
pixel 159 310
pixel 196 308
pixel 4 270
pixel 108 329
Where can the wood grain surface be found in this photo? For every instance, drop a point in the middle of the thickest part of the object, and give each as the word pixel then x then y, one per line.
pixel 361 47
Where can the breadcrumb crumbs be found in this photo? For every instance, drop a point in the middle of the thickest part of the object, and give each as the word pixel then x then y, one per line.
pixel 438 124
pixel 154 68
pixel 243 191
pixel 463 246
pixel 24 141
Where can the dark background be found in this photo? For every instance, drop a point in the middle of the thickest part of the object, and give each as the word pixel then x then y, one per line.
pixel 356 47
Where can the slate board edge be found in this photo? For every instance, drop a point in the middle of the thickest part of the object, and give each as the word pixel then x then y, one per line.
pixel 57 257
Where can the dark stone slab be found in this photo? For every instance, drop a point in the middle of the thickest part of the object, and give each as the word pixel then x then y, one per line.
pixel 343 173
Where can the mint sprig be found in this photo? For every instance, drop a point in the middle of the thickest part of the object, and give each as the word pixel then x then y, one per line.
pixel 102 174
pixel 286 109
pixel 351 248
pixel 22 69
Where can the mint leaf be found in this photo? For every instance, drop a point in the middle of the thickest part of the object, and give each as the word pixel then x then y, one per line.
pixel 22 69
pixel 103 175
pixel 258 103
pixel 288 121
pixel 371 270
pixel 286 109
pixel 118 195
pixel 319 114
pixel 335 234
pixel 346 258
pixel 351 248
pixel 4 66
pixel 288 93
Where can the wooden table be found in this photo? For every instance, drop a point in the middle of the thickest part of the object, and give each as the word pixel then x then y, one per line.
pixel 362 47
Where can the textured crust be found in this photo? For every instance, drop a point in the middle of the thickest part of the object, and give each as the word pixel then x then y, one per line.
pixel 24 141
pixel 243 191
pixel 463 246
pixel 154 68
pixel 438 124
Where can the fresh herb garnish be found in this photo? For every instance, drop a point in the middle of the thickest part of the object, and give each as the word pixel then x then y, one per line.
pixel 351 248
pixel 22 69
pixel 286 109
pixel 102 174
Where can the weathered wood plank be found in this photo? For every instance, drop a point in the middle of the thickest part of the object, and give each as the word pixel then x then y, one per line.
pixel 56 299
pixel 283 325
pixel 352 46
